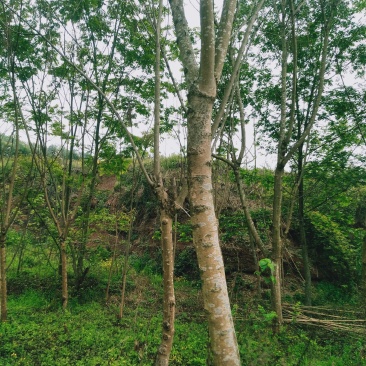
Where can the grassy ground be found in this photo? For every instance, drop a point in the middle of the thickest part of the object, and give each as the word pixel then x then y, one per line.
pixel 40 333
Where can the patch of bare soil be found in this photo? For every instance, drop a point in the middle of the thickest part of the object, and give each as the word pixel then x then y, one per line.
pixel 107 183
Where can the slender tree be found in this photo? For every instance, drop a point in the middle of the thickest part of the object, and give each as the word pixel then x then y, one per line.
pixel 361 223
pixel 296 99
pixel 201 79
pixel 166 216
pixel 13 182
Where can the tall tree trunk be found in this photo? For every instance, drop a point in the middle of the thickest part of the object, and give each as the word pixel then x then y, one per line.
pixel 3 284
pixel 223 340
pixel 65 294
pixel 113 261
pixel 250 224
pixel 306 264
pixel 277 249
pixel 363 278
pixel 167 209
pixel 303 241
pixel 125 264
pixel 361 223
pixel 163 354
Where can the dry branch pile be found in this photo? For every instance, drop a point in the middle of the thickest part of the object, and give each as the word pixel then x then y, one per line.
pixel 330 319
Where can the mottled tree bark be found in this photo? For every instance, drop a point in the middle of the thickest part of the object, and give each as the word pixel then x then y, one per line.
pixel 201 80
pixel 303 241
pixel 167 209
pixel 363 278
pixel 205 232
pixel 277 249
pixel 166 345
pixel 65 293
pixel 3 285
pixel 361 223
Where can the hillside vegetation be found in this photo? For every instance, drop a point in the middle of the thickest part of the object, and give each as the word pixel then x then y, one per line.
pixel 247 247
pixel 90 331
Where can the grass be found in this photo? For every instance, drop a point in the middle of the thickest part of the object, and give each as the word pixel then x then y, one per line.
pixel 89 334
pixel 40 333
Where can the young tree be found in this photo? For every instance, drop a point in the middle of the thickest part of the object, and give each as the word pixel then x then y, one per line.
pixel 296 101
pixel 232 103
pixel 13 181
pixel 166 215
pixel 201 79
pixel 107 96
pixel 235 162
pixel 361 223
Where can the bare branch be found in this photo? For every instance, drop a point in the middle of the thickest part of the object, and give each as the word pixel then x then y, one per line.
pixel 314 112
pixel 157 171
pixel 223 36
pixel 207 83
pixel 242 125
pixel 236 68
pixel 184 41
pixel 174 83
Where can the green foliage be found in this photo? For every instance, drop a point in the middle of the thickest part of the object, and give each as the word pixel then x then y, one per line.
pixel 262 218
pixel 266 263
pixel 186 265
pixel 294 345
pixel 172 162
pixel 7 146
pixel 332 246
pixel 111 162
pixel 185 232
pixel 261 179
pixel 156 235
pixel 145 263
pixel 232 227
pixel 266 266
pixel 267 316
pixel 39 333
pixel 103 219
pixel 13 238
pixel 360 4
pixel 328 293
pixel 29 280
pixel 88 334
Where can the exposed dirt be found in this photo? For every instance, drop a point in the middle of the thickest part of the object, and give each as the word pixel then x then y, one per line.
pixel 238 257
pixel 107 183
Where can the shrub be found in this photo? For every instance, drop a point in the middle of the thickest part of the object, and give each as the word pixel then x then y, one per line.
pixel 186 264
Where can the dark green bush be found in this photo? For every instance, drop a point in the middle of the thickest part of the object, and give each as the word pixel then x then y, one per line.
pixel 186 264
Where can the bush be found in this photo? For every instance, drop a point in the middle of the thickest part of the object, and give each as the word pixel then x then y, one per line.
pixel 186 264
pixel 331 248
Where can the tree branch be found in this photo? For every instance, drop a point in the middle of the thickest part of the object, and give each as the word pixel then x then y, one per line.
pixel 314 112
pixel 97 88
pixel 207 83
pixel 234 74
pixel 223 36
pixel 184 42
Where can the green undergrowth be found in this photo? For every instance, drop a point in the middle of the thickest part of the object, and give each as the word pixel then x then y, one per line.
pixel 88 333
